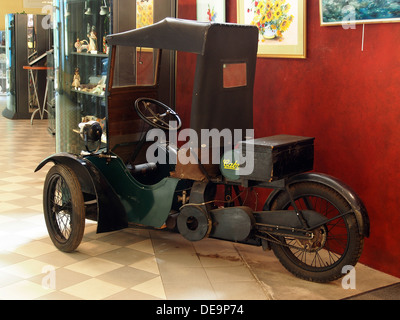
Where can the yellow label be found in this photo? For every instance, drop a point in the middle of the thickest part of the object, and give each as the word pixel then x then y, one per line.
pixel 228 164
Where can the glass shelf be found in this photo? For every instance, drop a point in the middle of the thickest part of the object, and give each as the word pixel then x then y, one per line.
pixel 101 55
pixel 89 93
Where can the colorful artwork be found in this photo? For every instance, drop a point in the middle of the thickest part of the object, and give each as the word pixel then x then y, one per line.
pixel 212 15
pixel 144 13
pixel 344 12
pixel 281 25
pixel 211 10
pixel 272 17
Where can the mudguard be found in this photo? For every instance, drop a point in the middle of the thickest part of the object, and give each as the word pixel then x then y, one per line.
pixel 111 214
pixel 344 190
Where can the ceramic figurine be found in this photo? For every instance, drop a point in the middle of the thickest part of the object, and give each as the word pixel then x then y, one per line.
pixel 76 83
pixel 92 40
pixel 79 45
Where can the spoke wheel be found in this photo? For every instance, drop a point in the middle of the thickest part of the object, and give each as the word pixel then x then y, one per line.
pixel 333 246
pixel 64 209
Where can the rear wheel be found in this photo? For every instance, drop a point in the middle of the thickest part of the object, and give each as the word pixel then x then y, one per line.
pixel 64 209
pixel 334 245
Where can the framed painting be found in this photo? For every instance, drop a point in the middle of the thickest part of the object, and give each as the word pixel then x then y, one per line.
pixel 343 12
pixel 144 13
pixel 281 25
pixel 211 10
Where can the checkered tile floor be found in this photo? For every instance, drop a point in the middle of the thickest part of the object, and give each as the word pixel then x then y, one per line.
pixel 128 264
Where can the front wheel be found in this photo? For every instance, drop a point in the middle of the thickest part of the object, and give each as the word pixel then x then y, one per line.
pixel 64 209
pixel 336 244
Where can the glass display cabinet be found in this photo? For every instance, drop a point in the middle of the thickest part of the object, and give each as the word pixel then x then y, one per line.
pixel 81 60
pixel 80 64
pixel 26 41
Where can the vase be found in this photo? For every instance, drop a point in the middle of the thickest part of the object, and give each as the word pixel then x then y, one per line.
pixel 269 34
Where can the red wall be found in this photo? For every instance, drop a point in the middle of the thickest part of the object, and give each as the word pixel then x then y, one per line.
pixel 347 99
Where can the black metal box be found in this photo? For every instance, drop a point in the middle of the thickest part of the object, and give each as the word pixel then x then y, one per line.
pixel 277 157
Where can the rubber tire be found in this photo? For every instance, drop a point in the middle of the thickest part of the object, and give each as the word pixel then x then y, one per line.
pixel 355 241
pixel 76 210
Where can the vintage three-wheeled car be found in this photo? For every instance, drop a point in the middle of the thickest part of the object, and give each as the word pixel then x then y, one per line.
pixel 138 176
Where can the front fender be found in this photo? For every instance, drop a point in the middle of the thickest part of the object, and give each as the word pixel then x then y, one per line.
pixel 77 164
pixel 111 214
pixel 344 190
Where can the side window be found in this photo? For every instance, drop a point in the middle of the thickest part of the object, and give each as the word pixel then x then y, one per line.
pixel 134 66
pixel 234 74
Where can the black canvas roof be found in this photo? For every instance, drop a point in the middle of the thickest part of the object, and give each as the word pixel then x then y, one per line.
pixel 170 33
